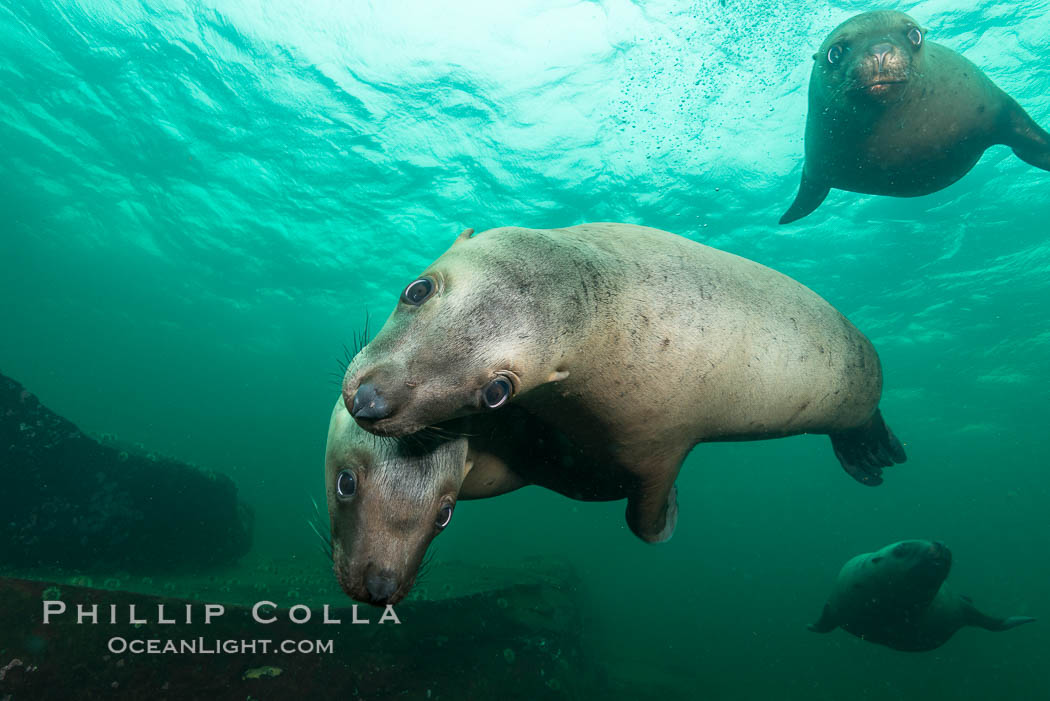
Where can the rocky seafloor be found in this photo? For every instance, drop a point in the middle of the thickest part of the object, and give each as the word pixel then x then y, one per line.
pixel 468 633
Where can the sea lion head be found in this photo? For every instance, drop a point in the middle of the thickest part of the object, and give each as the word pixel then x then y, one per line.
pixel 387 500
pixel 467 336
pixel 871 56
pixel 908 573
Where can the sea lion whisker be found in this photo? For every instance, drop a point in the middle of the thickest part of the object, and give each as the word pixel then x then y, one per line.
pixel 434 432
pixel 407 441
pixel 317 509
pixel 325 537
pixel 347 358
pixel 361 338
pixel 449 432
pixel 325 545
pixel 424 566
pixel 445 433
pixel 318 525
pixel 327 552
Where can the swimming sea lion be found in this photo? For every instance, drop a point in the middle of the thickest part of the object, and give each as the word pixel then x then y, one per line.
pixel 635 343
pixel 894 597
pixel 892 113
pixel 389 498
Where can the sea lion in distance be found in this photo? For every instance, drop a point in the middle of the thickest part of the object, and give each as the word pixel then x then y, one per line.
pixel 894 597
pixel 891 113
pixel 635 343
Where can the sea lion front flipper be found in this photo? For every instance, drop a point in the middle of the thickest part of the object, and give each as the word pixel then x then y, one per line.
pixel 973 617
pixel 865 450
pixel 810 195
pixel 489 478
pixel 1029 141
pixel 827 622
pixel 652 511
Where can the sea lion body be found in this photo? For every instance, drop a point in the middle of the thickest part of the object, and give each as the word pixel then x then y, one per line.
pixel 895 597
pixel 636 343
pixel 381 529
pixel 900 118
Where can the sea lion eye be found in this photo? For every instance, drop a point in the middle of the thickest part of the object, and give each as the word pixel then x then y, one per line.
pixel 418 292
pixel 496 392
pixel 346 484
pixel 444 516
pixel 834 54
pixel 915 36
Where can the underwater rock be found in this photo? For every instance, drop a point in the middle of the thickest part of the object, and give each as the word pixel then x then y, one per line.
pixel 73 502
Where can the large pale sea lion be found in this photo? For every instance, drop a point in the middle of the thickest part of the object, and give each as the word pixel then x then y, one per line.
pixel 389 498
pixel 892 113
pixel 894 597
pixel 635 343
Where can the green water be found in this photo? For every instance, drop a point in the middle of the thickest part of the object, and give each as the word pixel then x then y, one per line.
pixel 201 200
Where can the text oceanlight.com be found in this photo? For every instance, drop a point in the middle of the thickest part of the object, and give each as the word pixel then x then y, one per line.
pixel 202 646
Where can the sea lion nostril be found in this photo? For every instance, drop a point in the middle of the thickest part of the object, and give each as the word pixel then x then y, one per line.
pixel 381 585
pixel 369 403
pixel 881 51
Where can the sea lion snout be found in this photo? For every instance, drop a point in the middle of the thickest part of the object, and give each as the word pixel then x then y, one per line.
pixel 375 396
pixel 931 561
pixel 381 585
pixel 935 551
pixel 884 66
pixel 375 586
pixel 940 553
pixel 369 404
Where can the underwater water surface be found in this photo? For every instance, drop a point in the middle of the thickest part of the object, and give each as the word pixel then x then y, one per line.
pixel 202 200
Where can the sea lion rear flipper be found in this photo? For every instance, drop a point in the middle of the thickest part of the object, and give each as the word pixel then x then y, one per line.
pixel 1029 141
pixel 973 617
pixel 865 450
pixel 826 624
pixel 810 195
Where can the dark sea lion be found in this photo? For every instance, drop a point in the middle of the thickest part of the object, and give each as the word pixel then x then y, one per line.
pixel 389 498
pixel 635 343
pixel 891 113
pixel 894 597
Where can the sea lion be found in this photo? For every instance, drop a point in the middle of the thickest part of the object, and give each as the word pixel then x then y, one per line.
pixel 894 597
pixel 892 113
pixel 389 498
pixel 636 343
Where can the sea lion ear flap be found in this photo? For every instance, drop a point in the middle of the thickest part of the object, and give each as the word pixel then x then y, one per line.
pixel 463 236
pixel 816 56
